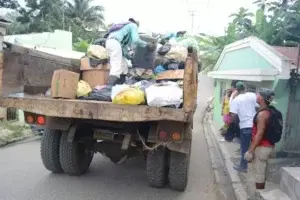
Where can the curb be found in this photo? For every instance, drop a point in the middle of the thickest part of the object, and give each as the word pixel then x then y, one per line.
pixel 237 185
pixel 215 163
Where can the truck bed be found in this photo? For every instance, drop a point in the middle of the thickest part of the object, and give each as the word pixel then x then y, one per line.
pixel 86 109
pixel 26 69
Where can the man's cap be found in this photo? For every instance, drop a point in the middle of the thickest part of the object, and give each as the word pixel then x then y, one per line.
pixel 267 94
pixel 240 85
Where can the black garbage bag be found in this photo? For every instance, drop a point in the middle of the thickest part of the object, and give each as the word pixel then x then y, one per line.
pixel 163 50
pixel 103 94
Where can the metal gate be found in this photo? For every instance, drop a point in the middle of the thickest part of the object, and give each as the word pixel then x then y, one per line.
pixel 291 139
pixel 12 114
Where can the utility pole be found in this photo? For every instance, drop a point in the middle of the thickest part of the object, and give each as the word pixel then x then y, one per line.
pixel 192 13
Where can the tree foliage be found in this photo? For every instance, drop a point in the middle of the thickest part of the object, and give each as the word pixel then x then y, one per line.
pixel 12 4
pixel 78 16
pixel 277 22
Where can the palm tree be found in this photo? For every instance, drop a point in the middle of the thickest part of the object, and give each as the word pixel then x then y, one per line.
pixel 242 19
pixel 262 4
pixel 83 14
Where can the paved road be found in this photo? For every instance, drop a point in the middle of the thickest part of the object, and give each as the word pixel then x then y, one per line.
pixel 22 176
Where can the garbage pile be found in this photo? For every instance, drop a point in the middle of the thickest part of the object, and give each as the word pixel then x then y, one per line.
pixel 160 86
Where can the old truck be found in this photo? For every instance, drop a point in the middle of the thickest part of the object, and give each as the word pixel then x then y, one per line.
pixel 76 129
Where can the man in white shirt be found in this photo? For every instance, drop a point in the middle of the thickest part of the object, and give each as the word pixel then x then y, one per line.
pixel 244 106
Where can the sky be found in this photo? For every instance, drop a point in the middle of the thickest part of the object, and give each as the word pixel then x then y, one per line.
pixel 211 16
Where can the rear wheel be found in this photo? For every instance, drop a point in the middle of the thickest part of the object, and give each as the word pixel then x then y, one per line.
pixel 75 157
pixel 50 150
pixel 157 167
pixel 179 170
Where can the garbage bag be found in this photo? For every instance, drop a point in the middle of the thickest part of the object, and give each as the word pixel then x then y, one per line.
pixel 177 53
pixel 164 94
pixel 130 96
pixel 83 89
pixel 97 52
pixel 144 84
pixel 101 94
pixel 189 42
pixel 164 49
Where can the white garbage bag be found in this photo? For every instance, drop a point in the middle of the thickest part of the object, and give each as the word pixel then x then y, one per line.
pixel 166 94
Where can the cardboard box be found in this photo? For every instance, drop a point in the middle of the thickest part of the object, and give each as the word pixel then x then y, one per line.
pixel 64 84
pixel 85 65
pixel 95 77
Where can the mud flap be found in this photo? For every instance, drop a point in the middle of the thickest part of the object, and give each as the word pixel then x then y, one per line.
pixel 183 147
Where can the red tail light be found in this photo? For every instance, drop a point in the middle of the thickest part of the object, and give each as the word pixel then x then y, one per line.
pixel 41 120
pixel 162 135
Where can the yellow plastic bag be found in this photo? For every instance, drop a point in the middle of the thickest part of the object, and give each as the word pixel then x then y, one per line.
pixel 83 89
pixel 130 96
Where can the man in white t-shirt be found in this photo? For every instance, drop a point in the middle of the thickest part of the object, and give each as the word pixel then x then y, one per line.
pixel 244 106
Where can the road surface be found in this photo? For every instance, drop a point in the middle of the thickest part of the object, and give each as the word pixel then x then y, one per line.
pixel 23 176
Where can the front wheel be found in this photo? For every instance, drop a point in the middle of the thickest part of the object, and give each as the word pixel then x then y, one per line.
pixel 75 157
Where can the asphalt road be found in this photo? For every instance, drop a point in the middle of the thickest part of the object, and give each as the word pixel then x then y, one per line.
pixel 23 177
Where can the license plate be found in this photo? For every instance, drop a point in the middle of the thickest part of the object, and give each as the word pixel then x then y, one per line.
pixel 103 134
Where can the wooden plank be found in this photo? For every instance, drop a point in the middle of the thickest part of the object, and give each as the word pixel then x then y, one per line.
pixel 171 74
pixel 190 84
pixel 93 109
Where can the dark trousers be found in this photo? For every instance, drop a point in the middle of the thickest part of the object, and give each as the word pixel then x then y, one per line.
pixel 246 134
pixel 232 131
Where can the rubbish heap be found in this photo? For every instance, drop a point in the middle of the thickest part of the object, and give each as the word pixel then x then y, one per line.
pixel 159 86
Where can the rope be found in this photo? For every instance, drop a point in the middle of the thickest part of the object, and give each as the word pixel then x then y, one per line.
pixel 146 146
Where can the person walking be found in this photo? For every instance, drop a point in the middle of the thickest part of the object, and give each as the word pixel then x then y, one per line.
pixel 243 106
pixel 267 130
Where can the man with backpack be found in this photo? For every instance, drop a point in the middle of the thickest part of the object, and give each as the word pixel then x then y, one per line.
pixel 267 130
pixel 120 38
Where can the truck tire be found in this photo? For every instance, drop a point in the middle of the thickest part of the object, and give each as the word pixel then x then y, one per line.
pixel 50 150
pixel 75 158
pixel 179 170
pixel 157 167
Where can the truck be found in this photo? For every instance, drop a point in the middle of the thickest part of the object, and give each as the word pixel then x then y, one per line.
pixel 76 129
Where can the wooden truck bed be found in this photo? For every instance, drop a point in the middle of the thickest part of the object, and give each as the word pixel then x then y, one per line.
pixel 87 109
pixel 21 67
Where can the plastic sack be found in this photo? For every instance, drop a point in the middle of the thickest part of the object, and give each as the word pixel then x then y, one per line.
pixel 130 96
pixel 117 89
pixel 166 94
pixel 99 94
pixel 189 42
pixel 177 53
pixel 83 89
pixel 97 52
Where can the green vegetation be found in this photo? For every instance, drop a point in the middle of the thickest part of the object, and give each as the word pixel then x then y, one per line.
pixel 277 22
pixel 78 16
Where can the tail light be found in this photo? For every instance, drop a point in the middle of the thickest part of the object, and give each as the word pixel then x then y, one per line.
pixel 163 135
pixel 30 119
pixel 35 119
pixel 40 120
pixel 176 136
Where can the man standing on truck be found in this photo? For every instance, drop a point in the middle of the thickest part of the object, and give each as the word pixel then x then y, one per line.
pixel 118 41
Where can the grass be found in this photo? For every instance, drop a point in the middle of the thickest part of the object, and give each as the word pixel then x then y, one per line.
pixel 16 130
